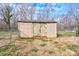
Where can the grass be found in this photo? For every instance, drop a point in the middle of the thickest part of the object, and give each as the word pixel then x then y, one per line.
pixel 2 33
pixel 55 48
pixel 44 44
pixel 6 33
pixel 34 50
pixel 56 42
pixel 66 34
pixel 44 40
pixel 72 47
pixel 26 39
pixel 8 50
pixel 29 40
pixel 50 52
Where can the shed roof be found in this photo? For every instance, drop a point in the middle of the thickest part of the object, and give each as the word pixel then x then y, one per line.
pixel 38 21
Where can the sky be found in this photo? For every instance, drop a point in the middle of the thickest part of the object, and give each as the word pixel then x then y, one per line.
pixel 60 8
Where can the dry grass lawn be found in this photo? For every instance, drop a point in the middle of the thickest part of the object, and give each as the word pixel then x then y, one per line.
pixel 61 46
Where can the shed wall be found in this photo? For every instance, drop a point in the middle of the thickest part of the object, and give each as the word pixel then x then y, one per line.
pixel 25 29
pixel 52 30
pixel 37 29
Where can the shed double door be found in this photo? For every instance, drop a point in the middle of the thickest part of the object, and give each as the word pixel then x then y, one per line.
pixel 39 29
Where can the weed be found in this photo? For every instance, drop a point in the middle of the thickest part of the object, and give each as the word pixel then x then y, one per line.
pixel 56 42
pixel 43 44
pixel 50 52
pixel 44 40
pixel 34 49
pixel 29 40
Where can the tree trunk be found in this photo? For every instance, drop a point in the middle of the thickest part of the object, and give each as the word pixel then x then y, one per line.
pixel 10 33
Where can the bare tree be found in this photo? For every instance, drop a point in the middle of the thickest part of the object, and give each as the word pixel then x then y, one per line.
pixel 6 13
pixel 49 8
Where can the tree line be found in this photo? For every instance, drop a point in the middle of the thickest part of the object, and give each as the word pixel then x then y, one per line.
pixel 11 13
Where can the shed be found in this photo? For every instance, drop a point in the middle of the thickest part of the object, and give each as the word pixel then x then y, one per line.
pixel 36 28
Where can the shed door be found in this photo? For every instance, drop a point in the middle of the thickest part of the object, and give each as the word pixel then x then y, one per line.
pixel 43 29
pixel 36 29
pixel 40 29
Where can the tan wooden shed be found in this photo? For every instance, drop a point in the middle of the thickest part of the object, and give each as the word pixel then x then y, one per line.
pixel 33 28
